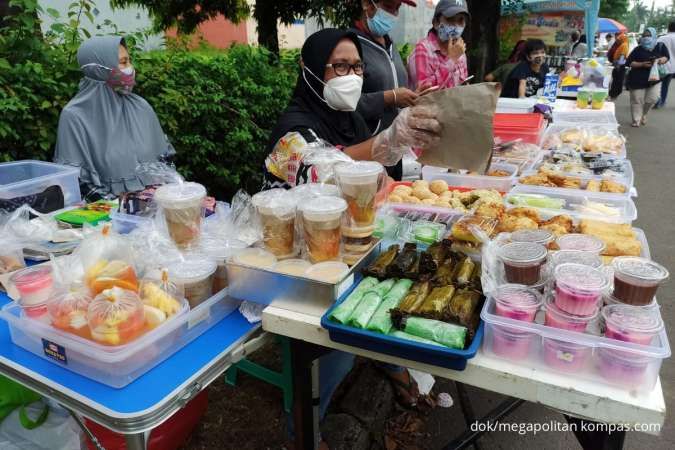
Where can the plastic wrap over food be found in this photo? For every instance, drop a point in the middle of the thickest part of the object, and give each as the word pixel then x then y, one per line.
pixel 276 210
pixel 116 317
pixel 318 163
pixel 26 225
pixel 158 173
pixel 181 210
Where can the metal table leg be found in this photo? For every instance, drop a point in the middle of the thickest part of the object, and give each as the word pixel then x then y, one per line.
pixel 84 428
pixel 467 408
pixel 596 438
pixel 135 441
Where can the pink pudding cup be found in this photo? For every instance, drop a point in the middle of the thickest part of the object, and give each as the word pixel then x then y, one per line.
pixel 557 318
pixel 511 343
pixel 35 287
pixel 517 302
pixel 578 288
pixel 566 356
pixel 581 242
pixel 622 368
pixel 628 323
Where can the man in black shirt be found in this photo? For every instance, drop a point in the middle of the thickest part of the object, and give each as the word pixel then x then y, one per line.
pixel 528 76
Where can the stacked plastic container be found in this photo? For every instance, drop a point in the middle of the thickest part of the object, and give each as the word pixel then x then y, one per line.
pixel 527 127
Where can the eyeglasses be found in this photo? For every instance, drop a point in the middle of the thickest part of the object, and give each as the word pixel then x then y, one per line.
pixel 342 69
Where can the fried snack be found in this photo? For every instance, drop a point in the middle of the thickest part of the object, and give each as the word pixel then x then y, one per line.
pixel 570 183
pixel 412 199
pixel 509 224
pixel 571 136
pixel 464 271
pixel 437 302
pixel 617 246
pixel 395 198
pixel 438 187
pixel 612 186
pixel 420 184
pixel 464 197
pixel 461 230
pixel 485 195
pixel 561 220
pixel 491 210
pixel 446 194
pixel 415 297
pixel 619 239
pixel 498 173
pixel 593 186
pixel 594 227
pixel 523 211
pixel 378 268
pixel 422 193
pixel 402 190
pixel 443 204
pixel 429 201
pixel 555 228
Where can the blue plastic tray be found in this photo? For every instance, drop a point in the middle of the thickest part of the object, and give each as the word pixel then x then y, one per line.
pixel 402 348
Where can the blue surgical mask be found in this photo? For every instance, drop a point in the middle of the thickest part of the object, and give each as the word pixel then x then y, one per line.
pixel 382 22
pixel 647 42
pixel 447 32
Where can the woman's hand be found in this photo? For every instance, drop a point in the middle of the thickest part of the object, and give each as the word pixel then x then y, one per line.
pixel 456 48
pixel 662 60
pixel 647 64
pixel 404 97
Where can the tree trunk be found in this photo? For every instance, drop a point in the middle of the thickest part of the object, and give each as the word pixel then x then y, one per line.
pixel 483 48
pixel 266 16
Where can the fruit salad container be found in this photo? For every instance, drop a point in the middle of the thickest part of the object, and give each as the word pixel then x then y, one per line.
pixel 584 355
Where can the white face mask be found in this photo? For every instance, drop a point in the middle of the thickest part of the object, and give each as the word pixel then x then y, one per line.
pixel 340 93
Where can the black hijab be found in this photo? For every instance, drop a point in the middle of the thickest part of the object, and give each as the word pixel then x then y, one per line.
pixel 307 110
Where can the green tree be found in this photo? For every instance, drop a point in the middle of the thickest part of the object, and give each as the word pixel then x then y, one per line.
pixel 614 9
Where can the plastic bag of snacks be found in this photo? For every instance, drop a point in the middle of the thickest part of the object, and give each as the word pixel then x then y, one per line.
pixel 151 248
pixel 318 163
pixel 68 310
pixel 11 255
pixel 160 299
pixel 239 222
pixel 116 317
pixel 107 260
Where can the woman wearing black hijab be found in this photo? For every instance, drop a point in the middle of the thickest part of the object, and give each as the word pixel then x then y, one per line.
pixel 324 103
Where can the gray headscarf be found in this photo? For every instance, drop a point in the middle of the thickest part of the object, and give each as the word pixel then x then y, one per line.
pixel 104 133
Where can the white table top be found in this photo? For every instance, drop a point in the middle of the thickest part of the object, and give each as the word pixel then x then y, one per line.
pixel 579 398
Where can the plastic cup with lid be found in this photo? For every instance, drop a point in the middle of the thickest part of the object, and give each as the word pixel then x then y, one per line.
pixel 517 302
pixel 632 324
pixel 557 318
pixel 322 220
pixel 636 280
pixel 195 276
pixel 328 271
pixel 220 250
pixel 523 262
pixel 590 259
pixel 295 267
pixel 276 208
pixel 181 205
pixel 578 288
pixel 255 257
pixel 540 236
pixel 582 242
pixel 35 286
pixel 360 181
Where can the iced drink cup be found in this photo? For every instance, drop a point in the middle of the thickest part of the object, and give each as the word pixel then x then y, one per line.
pixel 360 182
pixel 598 98
pixel 322 220
pixel 181 204
pixel 276 209
pixel 583 98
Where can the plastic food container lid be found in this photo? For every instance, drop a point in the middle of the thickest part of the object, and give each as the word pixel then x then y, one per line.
pixel 180 195
pixel 311 190
pixel 523 253
pixel 359 171
pixel 329 271
pixel 191 270
pixel 537 236
pixel 278 202
pixel 611 300
pixel 324 208
pixel 580 278
pixel 642 269
pixel 549 305
pixel 255 257
pixel 296 267
pixel 517 296
pixel 577 257
pixel 630 318
pixel 584 242
pixel 221 249
pixel 37 276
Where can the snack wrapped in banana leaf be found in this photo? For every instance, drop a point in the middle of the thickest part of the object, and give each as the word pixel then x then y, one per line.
pixel 427 265
pixel 450 335
pixel 411 337
pixel 464 308
pixel 413 272
pixel 381 319
pixel 437 302
pixel 403 262
pixel 444 274
pixel 378 268
pixel 415 297
pixel 343 311
pixel 439 251
pixel 465 271
pixel 369 303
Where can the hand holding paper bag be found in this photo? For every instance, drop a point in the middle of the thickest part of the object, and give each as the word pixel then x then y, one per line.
pixel 416 126
pixel 466 138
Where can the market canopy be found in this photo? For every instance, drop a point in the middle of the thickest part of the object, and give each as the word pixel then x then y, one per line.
pixel 610 26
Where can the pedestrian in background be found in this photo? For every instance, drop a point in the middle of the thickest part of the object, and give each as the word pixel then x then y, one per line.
pixel 644 92
pixel 668 41
pixel 617 55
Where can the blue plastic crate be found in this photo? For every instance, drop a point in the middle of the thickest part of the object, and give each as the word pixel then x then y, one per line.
pixel 402 348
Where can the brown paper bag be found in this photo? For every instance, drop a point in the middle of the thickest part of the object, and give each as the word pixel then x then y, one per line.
pixel 466 114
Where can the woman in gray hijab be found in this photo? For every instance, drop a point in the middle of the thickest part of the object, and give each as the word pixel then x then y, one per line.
pixel 105 130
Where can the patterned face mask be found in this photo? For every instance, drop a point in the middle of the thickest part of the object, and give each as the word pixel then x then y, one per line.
pixel 121 81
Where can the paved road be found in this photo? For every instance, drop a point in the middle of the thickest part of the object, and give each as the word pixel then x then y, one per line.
pixel 652 151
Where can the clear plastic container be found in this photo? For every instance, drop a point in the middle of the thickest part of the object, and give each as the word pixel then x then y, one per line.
pixel 11 257
pixel 294 267
pixel 328 271
pixel 322 221
pixel 636 280
pixel 578 288
pixel 126 223
pixel 627 178
pixel 579 192
pixel 181 205
pixel 575 256
pixel 35 286
pixel 308 191
pixel 359 182
pixel 276 208
pixel 220 250
pixel 255 257
pixel 116 366
pixel 517 302
pixel 581 242
pixel 515 105
pixel 501 184
pixel 22 178
pixel 523 262
pixel 575 203
pixel 583 355
pixel 630 324
pixel 195 276
pixel 541 236
pixel 557 318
